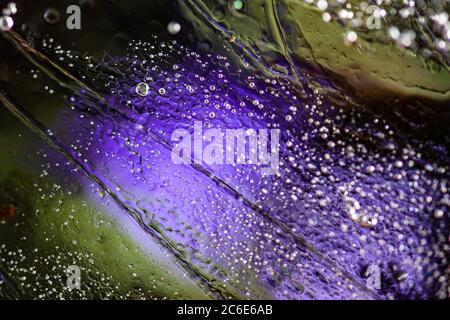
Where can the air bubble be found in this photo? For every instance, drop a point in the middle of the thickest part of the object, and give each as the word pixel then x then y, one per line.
pixel 6 23
pixel 238 5
pixel 51 16
pixel 142 89
pixel 173 28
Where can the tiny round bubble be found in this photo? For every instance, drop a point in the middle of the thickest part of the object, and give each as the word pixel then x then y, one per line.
pixel 6 23
pixel 142 89
pixel 173 27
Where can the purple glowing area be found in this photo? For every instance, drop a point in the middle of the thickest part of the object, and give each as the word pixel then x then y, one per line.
pixel 351 191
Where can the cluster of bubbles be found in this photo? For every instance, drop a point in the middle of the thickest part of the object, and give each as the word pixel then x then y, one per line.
pixel 409 23
pixel 6 20
pixel 351 185
pixel 43 275
pixel 36 264
pixel 50 16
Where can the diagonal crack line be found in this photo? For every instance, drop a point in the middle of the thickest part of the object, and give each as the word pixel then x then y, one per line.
pixel 216 290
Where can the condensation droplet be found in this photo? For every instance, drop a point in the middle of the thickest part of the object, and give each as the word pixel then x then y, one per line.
pixel 142 89
pixel 51 16
pixel 238 4
pixel 6 23
pixel 173 27
pixel 12 7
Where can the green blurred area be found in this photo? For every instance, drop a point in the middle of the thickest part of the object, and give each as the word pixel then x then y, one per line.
pixel 286 34
pixel 57 225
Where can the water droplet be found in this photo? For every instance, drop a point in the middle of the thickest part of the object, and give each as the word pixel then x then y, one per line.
pixel 238 4
pixel 351 36
pixel 173 27
pixel 142 89
pixel 6 23
pixel 438 213
pixel 12 7
pixel 51 16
